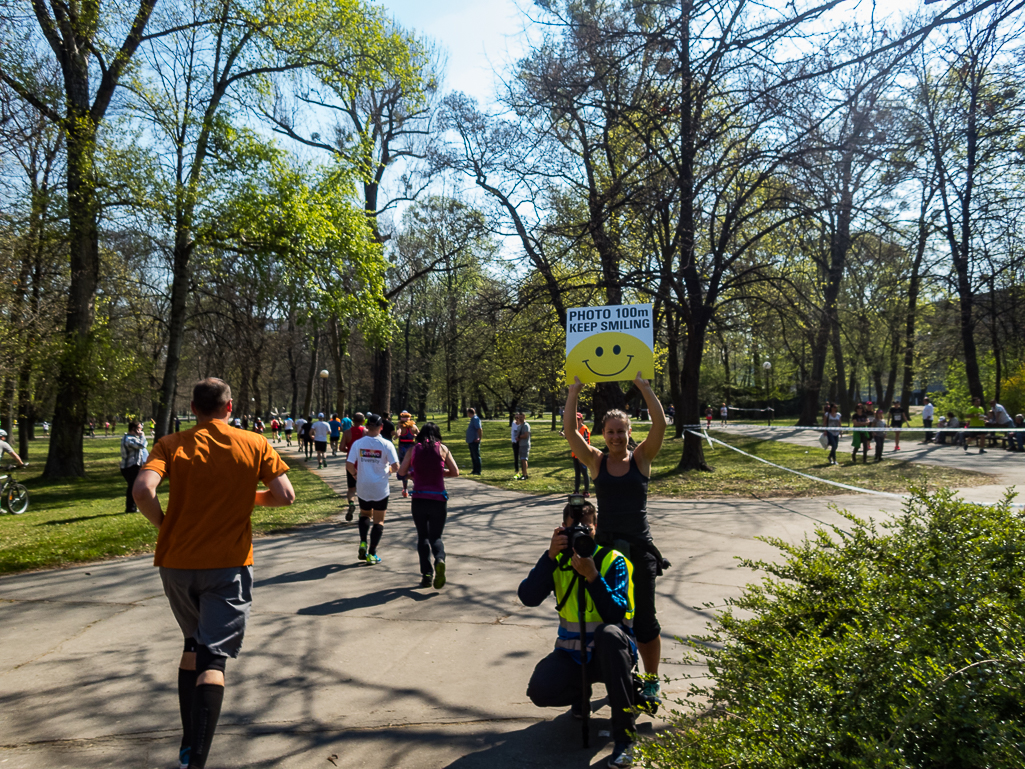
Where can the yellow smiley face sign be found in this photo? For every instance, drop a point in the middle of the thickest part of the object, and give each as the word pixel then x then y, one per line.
pixel 609 344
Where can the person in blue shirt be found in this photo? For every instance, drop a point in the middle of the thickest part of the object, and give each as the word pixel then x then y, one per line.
pixel 608 649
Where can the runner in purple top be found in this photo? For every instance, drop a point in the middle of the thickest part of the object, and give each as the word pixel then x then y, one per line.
pixel 430 463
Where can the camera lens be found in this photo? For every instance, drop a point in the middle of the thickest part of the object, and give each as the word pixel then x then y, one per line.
pixel 583 545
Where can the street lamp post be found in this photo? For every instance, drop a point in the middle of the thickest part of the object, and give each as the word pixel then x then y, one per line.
pixel 768 406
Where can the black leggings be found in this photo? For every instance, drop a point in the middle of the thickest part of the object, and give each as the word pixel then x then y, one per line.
pixel 429 518
pixel 581 474
pixel 516 458
pixel 130 474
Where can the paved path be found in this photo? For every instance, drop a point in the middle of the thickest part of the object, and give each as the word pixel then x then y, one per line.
pixel 350 664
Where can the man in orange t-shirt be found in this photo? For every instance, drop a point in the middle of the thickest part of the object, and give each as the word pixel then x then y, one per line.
pixel 205 546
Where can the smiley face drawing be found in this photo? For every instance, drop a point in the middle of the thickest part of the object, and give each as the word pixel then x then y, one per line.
pixel 610 356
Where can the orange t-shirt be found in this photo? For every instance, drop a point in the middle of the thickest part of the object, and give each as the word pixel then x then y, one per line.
pixel 586 435
pixel 213 470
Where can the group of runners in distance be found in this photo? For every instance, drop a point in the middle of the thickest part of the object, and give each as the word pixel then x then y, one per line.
pixel 210 588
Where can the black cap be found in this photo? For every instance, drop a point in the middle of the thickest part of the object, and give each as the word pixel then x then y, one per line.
pixel 374 420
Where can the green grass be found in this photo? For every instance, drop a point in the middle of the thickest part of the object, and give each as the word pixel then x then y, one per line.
pixel 83 520
pixel 551 469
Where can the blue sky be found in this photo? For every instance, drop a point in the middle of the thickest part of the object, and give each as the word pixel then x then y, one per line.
pixel 479 36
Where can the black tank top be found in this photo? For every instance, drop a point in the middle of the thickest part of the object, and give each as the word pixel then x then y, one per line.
pixel 622 504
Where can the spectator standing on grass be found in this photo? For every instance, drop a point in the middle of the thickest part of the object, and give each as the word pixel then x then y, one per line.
pixel 879 422
pixel 897 419
pixel 708 417
pixel 205 547
pixel 523 439
pixel 977 421
pixel 928 410
pixel 724 415
pixel 133 457
pixel 514 436
pixel 474 436
pixel 833 423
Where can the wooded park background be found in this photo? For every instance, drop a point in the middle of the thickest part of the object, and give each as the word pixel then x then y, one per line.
pixel 261 191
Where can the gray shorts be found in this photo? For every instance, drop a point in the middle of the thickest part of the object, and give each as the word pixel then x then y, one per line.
pixel 524 451
pixel 211 605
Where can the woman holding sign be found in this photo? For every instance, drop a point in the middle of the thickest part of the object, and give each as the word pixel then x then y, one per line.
pixel 621 484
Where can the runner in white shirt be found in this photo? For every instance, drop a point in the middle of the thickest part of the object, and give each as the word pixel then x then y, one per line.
pixel 372 459
pixel 321 430
pixel 289 426
pixel 299 432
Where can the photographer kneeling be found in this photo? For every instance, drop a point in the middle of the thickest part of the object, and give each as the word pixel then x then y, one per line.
pixel 611 652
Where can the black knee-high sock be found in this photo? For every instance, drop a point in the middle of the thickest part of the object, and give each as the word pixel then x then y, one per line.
pixel 364 527
pixel 375 537
pixel 186 691
pixel 206 709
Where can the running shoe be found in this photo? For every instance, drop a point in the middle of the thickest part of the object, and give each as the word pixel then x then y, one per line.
pixel 622 755
pixel 350 511
pixel 896 448
pixel 982 451
pixel 425 580
pixel 183 758
pixel 362 551
pixel 405 493
pixel 439 575
pixel 373 559
pixel 651 696
pixel 517 477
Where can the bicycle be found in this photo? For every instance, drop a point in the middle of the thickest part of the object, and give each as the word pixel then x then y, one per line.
pixel 13 496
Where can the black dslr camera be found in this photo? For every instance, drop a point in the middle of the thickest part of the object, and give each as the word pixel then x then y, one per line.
pixel 580 540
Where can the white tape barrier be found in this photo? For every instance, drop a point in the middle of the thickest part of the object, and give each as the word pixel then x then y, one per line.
pixel 803 475
pixel 845 429
pixel 847 486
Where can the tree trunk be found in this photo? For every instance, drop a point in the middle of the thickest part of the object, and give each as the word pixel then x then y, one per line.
pixel 381 392
pixel 175 329
pixel 311 375
pixel 26 414
pixel 689 407
pixel 673 341
pixel 914 288
pixel 339 344
pixel 75 367
pixel 841 373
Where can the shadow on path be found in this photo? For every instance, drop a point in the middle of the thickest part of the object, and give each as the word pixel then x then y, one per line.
pixel 320 572
pixel 368 601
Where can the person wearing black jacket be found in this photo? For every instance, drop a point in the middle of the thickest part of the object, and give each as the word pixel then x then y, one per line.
pixel 609 651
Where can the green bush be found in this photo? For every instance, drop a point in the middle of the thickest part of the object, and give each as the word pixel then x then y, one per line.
pixel 1013 392
pixel 890 645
